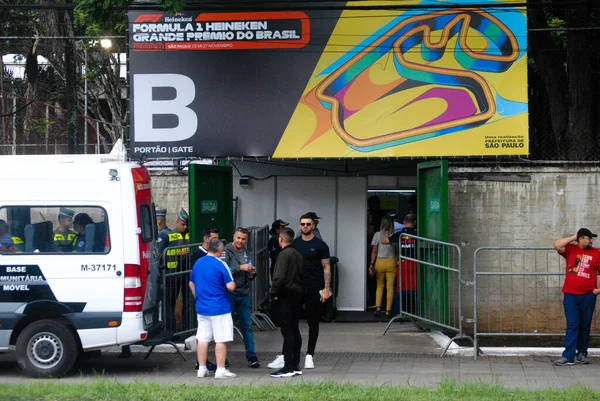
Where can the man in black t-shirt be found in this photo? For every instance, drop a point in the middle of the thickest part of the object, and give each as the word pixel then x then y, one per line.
pixel 316 273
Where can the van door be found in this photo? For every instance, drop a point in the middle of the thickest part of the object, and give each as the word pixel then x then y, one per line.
pixel 148 247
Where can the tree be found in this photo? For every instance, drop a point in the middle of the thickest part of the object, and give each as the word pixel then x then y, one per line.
pixel 565 63
pixel 63 81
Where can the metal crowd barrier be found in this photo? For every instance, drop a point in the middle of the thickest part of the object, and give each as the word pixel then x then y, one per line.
pixel 178 308
pixel 433 294
pixel 258 239
pixel 518 292
pixel 178 305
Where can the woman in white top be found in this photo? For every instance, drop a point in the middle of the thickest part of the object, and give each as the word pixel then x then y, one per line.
pixel 383 263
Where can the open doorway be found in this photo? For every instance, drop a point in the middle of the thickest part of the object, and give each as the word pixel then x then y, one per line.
pixel 395 204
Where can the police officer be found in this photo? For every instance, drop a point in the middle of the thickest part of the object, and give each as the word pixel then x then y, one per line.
pixel 79 224
pixel 19 243
pixel 7 243
pixel 161 221
pixel 63 235
pixel 173 258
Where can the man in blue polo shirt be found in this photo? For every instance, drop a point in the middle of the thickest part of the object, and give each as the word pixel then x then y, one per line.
pixel 210 284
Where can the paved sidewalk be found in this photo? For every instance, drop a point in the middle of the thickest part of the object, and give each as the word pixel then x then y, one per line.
pixel 346 353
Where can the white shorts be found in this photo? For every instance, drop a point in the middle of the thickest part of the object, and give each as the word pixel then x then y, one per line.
pixel 219 328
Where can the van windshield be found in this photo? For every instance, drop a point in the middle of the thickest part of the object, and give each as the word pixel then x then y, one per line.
pixel 54 229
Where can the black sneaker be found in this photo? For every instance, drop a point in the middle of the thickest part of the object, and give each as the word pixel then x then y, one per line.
pixel 297 371
pixel 582 359
pixel 283 372
pixel 253 362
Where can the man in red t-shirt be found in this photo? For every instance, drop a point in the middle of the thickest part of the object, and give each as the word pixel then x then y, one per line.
pixel 583 264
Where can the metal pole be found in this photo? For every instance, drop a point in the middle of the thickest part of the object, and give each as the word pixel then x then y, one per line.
pixel 97 137
pixel 475 345
pixel 14 141
pixel 47 128
pixel 85 107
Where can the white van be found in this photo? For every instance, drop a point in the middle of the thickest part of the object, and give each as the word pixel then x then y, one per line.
pixel 103 290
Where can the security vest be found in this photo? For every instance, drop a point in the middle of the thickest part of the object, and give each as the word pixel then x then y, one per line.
pixel 19 244
pixel 172 257
pixel 64 242
pixel 78 244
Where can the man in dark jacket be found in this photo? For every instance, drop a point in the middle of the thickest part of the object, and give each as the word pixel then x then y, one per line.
pixel 236 257
pixel 273 244
pixel 287 289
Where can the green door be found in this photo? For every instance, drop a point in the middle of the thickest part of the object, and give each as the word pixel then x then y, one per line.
pixel 432 223
pixel 432 198
pixel 211 200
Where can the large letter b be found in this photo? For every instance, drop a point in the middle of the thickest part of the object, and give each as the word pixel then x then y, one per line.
pixel 145 108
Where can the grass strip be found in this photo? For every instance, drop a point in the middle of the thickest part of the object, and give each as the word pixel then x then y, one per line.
pixel 102 389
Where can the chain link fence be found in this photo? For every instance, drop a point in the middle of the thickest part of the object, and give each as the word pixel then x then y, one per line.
pixel 60 94
pixel 32 127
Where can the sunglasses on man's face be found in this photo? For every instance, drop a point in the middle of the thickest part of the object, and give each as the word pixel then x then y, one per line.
pixel 306 224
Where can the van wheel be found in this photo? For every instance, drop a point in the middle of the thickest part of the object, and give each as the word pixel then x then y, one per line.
pixel 46 349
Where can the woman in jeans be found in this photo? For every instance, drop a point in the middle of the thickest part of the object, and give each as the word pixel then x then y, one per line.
pixel 383 263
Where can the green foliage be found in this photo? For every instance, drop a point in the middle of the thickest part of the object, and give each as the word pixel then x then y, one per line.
pixel 295 390
pixel 560 37
pixel 41 125
pixel 100 16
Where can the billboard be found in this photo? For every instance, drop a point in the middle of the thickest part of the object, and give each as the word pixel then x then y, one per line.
pixel 439 80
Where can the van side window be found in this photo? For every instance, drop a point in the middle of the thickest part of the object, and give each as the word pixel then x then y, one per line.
pixel 146 223
pixel 63 229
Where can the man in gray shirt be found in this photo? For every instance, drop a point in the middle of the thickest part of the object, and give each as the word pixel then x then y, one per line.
pixel 236 257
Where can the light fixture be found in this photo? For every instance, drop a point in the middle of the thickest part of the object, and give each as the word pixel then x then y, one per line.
pixel 106 43
pixel 395 191
pixel 244 181
pixel 114 174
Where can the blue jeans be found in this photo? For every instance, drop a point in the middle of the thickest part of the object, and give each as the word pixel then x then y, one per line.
pixel 579 310
pixel 240 305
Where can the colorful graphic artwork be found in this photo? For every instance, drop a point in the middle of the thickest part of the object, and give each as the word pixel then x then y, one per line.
pixel 447 82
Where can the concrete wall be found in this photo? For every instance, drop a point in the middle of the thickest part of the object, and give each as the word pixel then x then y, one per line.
pixel 519 207
pixel 170 191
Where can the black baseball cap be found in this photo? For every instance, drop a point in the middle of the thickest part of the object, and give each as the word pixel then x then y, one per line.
pixel 278 223
pixel 584 232
pixel 313 215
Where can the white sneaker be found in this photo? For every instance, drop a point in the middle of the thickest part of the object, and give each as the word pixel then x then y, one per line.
pixel 203 372
pixel 308 362
pixel 224 374
pixel 278 363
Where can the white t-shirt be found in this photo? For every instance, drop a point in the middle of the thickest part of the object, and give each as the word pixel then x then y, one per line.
pixel 383 251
